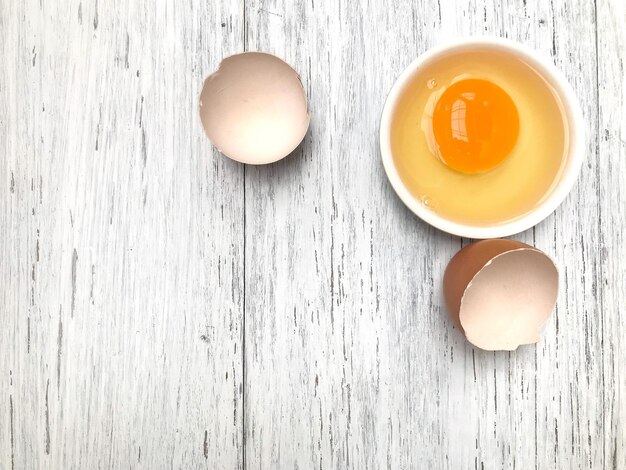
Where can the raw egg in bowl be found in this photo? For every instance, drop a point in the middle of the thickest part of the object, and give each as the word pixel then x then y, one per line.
pixel 482 138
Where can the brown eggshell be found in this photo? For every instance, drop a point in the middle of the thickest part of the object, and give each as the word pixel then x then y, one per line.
pixel 500 292
pixel 254 109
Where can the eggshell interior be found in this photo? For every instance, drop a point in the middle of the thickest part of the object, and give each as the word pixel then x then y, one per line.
pixel 509 300
pixel 465 264
pixel 500 292
pixel 254 109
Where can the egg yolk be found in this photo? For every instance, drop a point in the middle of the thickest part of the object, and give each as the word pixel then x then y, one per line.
pixel 475 125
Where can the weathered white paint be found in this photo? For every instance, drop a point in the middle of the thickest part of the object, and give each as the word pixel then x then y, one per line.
pixel 121 241
pixel 164 307
pixel 611 291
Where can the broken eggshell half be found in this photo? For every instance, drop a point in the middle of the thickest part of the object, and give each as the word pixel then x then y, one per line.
pixel 254 109
pixel 500 293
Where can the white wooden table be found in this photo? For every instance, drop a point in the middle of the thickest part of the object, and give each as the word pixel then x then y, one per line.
pixel 164 307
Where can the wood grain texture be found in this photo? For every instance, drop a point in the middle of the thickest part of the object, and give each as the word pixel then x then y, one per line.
pixel 611 143
pixel 121 248
pixel 164 307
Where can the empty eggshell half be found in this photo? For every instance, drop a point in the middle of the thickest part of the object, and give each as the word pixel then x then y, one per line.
pixel 500 293
pixel 253 108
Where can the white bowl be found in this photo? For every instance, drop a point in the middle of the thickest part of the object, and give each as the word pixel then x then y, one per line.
pixel 573 116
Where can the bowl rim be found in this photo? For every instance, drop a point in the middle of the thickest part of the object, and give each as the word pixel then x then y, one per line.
pixel 573 116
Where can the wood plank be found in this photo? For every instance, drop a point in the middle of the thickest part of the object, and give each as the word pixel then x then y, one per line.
pixel 290 336
pixel 611 132
pixel 350 359
pixel 332 378
pixel 122 239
